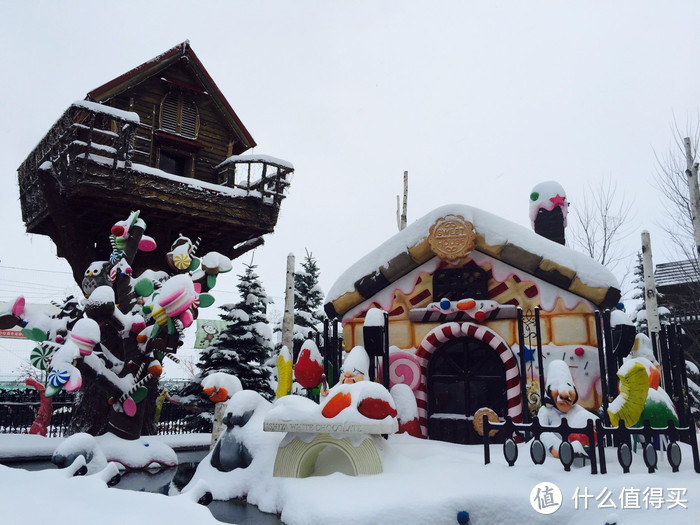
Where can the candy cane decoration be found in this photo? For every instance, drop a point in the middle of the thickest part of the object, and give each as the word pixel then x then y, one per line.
pixel 450 331
pixel 195 246
pixel 172 356
pixel 136 386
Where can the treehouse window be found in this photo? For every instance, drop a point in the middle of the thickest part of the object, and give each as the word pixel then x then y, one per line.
pixel 179 115
pixel 174 164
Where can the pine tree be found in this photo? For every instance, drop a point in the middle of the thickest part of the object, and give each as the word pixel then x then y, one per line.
pixel 246 344
pixel 308 302
pixel 241 349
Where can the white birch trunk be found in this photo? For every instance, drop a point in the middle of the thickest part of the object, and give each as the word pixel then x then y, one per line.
pixel 693 193
pixel 218 427
pixel 650 302
pixel 288 318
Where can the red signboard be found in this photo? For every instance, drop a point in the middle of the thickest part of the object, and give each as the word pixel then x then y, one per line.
pixel 11 333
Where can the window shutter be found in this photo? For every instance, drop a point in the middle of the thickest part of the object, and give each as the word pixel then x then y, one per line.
pixel 168 113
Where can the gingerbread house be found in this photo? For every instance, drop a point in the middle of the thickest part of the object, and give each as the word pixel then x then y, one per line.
pixel 452 284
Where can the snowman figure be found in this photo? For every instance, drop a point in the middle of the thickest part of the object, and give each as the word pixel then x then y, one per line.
pixel 560 401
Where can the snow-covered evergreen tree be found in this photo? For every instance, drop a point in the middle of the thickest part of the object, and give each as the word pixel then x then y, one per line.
pixel 241 349
pixel 308 303
pixel 246 344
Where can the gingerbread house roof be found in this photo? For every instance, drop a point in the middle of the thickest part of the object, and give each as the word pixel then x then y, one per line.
pixel 494 236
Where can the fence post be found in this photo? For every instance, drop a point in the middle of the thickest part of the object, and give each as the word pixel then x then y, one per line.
pixel 523 367
pixel 487 449
pixel 538 335
pixel 603 368
pixel 590 433
pixel 600 430
pixel 664 355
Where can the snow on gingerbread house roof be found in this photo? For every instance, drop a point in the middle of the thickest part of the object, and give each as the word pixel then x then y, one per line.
pixel 463 230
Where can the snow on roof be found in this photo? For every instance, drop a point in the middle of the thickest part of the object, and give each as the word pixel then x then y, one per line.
pixel 127 116
pixel 678 272
pixel 195 183
pixel 257 158
pixel 496 231
pixel 163 61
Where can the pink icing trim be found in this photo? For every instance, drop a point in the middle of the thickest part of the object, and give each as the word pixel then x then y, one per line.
pixel 164 301
pixel 85 340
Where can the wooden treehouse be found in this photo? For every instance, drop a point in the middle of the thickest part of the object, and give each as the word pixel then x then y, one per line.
pixel 161 139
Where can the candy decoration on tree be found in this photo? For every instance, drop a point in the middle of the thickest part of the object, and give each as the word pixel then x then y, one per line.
pixel 43 417
pixel 181 254
pixel 135 395
pixel 309 366
pixel 39 357
pixel 136 320
pixel 97 274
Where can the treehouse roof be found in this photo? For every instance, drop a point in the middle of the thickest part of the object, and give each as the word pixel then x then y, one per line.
pixel 157 66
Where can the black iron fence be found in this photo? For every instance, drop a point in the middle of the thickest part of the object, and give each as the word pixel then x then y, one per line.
pixel 19 407
pixel 624 440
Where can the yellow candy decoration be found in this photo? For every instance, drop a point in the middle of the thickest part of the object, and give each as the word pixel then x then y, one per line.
pixel 634 387
pixel 284 373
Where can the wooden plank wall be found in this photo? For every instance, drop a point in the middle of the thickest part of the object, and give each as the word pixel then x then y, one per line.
pixel 214 135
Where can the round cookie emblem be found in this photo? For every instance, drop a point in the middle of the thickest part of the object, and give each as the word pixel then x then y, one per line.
pixel 452 238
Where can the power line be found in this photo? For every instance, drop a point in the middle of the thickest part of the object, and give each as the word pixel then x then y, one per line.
pixel 34 270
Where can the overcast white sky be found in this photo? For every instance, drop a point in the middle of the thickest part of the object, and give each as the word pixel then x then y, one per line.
pixel 478 101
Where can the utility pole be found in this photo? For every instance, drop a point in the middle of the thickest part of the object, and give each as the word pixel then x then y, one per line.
pixel 402 211
pixel 693 192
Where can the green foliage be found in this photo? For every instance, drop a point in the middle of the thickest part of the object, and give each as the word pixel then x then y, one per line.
pixel 241 349
pixel 308 303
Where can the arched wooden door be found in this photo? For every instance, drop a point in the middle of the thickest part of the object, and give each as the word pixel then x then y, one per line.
pixel 464 375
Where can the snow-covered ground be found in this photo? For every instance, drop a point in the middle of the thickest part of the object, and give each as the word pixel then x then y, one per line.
pixel 423 482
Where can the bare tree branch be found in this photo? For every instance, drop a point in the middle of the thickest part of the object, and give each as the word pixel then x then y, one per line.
pixel 601 223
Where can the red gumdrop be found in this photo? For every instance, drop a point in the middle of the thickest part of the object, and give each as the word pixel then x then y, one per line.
pixel 307 371
pixel 412 428
pixel 579 351
pixel 480 316
pixel 117 230
pixel 374 408
pixel 581 438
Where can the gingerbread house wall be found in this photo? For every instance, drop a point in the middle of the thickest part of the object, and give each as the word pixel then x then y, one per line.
pixel 567 321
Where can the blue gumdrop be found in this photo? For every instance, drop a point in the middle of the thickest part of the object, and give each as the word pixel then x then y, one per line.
pixel 445 304
pixel 146 444
pixel 462 517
